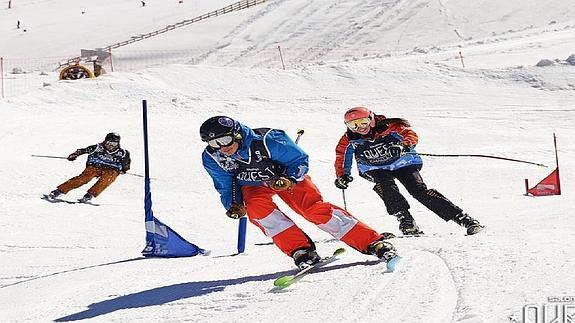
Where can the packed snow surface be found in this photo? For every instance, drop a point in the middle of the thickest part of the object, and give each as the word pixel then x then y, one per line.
pixel 64 262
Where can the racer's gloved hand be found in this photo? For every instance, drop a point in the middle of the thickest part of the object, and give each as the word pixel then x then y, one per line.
pixel 343 181
pixel 72 156
pixel 236 211
pixel 281 184
pixel 399 149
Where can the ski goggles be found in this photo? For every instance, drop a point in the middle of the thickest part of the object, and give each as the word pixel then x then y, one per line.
pixel 220 142
pixel 358 123
pixel 112 144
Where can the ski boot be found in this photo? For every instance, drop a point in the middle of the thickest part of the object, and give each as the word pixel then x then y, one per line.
pixel 54 194
pixel 86 198
pixel 304 258
pixel 407 224
pixel 382 250
pixel 387 235
pixel 473 226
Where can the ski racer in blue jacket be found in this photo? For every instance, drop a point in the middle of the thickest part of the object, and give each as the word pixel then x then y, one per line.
pixel 249 166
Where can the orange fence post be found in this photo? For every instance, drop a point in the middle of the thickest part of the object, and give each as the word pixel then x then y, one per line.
pixel 111 62
pixel 2 75
pixel 281 57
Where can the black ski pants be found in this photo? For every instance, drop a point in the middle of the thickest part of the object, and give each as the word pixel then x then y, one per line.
pixel 411 179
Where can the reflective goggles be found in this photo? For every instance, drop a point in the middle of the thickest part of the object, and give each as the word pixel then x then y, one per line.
pixel 220 142
pixel 358 123
pixel 112 144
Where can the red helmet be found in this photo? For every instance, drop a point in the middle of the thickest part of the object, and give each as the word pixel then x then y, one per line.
pixel 359 113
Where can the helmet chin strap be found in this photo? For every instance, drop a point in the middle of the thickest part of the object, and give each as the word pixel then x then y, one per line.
pixel 372 123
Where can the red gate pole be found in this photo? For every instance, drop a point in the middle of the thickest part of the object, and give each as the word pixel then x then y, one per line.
pixel 557 162
pixel 111 62
pixel 2 75
pixel 281 57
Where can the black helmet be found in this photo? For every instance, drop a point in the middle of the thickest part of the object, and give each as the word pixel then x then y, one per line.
pixel 112 137
pixel 219 126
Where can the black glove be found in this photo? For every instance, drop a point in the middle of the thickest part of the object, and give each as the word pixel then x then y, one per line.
pixel 236 211
pixel 343 181
pixel 397 150
pixel 72 156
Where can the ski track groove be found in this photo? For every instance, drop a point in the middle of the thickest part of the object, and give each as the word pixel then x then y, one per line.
pixel 361 15
pixel 424 286
pixel 362 291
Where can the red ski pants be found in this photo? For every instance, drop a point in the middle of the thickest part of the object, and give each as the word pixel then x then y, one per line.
pixel 305 199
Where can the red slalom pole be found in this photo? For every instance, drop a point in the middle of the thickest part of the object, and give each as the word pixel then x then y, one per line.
pixel 557 163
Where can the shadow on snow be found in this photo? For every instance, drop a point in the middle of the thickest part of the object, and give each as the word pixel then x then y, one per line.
pixel 166 294
pixel 71 270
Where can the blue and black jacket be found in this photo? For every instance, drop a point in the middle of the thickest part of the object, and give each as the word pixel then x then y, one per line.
pixel 263 154
pixel 371 151
pixel 118 159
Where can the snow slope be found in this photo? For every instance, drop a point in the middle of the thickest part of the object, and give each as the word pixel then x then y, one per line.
pixel 71 262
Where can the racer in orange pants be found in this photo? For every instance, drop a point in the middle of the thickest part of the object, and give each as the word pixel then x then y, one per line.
pixel 106 177
pixel 106 160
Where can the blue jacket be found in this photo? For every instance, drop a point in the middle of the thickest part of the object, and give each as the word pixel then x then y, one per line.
pixel 371 151
pixel 263 154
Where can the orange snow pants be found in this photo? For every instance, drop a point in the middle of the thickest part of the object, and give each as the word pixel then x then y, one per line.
pixel 106 177
pixel 305 199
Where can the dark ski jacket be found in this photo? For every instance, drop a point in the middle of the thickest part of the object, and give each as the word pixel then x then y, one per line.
pixel 118 159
